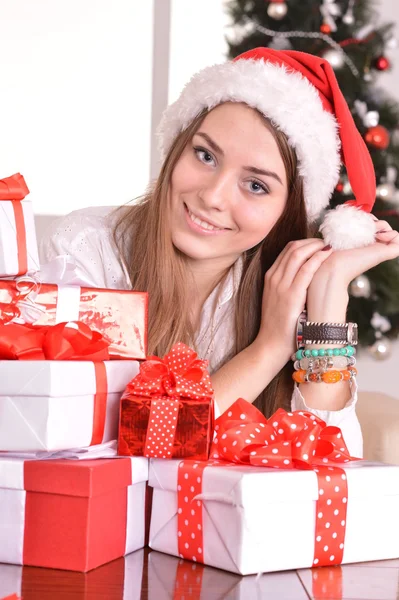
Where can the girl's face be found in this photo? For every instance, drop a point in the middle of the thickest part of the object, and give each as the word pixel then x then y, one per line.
pixel 228 188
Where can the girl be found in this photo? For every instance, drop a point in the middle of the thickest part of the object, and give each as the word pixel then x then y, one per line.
pixel 224 240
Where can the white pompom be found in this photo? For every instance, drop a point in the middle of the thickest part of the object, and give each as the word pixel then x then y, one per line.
pixel 347 227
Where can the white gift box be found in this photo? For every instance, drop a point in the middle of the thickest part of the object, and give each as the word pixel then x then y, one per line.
pixel 50 405
pixel 259 520
pixel 73 515
pixel 11 236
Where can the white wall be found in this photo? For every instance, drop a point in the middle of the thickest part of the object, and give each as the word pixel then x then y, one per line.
pixel 75 93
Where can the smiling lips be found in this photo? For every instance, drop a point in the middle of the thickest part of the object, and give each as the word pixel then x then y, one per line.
pixel 200 224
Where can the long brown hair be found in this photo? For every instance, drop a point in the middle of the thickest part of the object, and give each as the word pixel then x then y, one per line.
pixel 155 265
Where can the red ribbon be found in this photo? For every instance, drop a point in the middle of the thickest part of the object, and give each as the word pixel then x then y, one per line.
pixel 180 374
pixel 14 189
pixel 65 341
pixel 298 440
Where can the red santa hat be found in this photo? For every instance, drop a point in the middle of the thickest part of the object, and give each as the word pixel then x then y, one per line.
pixel 299 93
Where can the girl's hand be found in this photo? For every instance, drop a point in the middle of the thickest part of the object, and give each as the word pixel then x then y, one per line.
pixel 343 266
pixel 285 289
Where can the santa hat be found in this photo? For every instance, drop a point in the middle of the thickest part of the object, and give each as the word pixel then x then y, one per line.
pixel 299 93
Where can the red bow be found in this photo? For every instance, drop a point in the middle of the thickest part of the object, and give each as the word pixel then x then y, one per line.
pixel 298 440
pixel 179 373
pixel 65 341
pixel 13 188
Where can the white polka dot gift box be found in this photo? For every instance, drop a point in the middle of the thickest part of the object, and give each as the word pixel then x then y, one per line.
pixel 18 246
pixel 276 494
pixel 167 409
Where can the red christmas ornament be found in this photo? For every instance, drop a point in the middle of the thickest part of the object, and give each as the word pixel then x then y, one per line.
pixel 378 137
pixel 339 187
pixel 382 63
pixel 325 28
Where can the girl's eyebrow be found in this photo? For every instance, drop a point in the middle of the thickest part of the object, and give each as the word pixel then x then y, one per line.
pixel 254 170
pixel 211 142
pixel 264 172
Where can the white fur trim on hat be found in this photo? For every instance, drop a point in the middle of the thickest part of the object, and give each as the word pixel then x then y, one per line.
pixel 347 227
pixel 287 98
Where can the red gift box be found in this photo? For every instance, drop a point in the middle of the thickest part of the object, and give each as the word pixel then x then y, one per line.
pixel 167 409
pixel 71 514
pixel 119 315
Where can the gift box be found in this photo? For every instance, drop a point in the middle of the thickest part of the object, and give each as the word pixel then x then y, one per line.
pixel 167 409
pixel 56 405
pixel 73 515
pixel 120 316
pixel 120 579
pixel 313 505
pixel 18 245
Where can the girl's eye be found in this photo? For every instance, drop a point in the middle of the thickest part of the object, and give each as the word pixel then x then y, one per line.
pixel 204 156
pixel 256 187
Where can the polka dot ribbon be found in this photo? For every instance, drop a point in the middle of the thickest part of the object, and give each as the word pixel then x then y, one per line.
pixel 298 440
pixel 179 375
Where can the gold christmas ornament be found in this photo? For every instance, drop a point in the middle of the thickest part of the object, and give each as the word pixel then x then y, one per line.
pixel 335 58
pixel 385 191
pixel 381 349
pixel 360 287
pixel 277 10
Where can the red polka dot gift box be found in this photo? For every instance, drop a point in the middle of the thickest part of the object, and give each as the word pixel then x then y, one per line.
pixel 71 514
pixel 18 245
pixel 275 495
pixel 167 409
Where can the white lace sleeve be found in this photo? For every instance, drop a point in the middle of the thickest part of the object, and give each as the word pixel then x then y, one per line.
pixel 86 236
pixel 346 419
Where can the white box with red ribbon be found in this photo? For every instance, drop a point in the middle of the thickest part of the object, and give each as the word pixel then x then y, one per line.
pixel 277 494
pixel 56 405
pixel 18 245
pixel 72 514
pixel 252 520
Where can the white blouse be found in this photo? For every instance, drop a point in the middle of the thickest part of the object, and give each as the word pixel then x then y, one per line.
pixel 86 236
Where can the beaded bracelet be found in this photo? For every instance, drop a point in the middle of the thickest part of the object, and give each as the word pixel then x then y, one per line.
pixel 303 376
pixel 325 362
pixel 302 353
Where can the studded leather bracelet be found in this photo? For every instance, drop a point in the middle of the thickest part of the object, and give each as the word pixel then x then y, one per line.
pixel 329 333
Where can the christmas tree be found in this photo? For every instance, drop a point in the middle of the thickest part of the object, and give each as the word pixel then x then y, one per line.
pixel 347 34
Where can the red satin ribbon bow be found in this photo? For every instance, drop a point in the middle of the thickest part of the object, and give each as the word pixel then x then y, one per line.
pixel 297 440
pixel 15 189
pixel 179 374
pixel 65 341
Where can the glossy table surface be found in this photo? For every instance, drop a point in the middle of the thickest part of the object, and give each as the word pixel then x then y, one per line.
pixel 151 575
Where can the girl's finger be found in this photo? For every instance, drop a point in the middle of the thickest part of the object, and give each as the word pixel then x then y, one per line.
pixel 294 261
pixel 307 271
pixel 290 247
pixel 382 226
pixel 386 236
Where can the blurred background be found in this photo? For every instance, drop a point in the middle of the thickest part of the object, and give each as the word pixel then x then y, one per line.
pixel 84 84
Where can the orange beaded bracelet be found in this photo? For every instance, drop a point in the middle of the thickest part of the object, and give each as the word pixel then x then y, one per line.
pixel 302 376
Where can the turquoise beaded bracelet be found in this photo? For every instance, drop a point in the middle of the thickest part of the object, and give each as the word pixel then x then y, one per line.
pixel 346 351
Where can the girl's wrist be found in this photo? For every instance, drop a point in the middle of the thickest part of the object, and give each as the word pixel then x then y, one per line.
pixel 327 303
